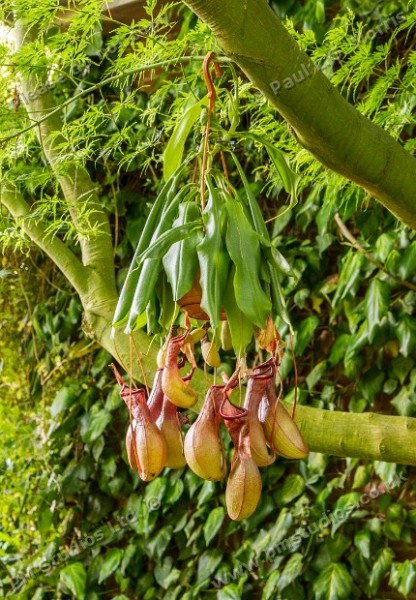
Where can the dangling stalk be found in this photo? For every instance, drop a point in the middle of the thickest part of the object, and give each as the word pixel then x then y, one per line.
pixel 212 96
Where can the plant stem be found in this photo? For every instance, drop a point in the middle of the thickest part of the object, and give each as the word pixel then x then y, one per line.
pixel 349 236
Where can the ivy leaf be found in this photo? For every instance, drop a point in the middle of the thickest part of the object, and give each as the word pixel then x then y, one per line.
pixel 380 568
pixel 158 544
pixel 292 487
pixel 292 570
pixel 406 333
pixel 111 561
pixel 330 550
pixel 63 399
pixel 405 402
pixel 334 583
pixel 362 540
pixel 305 333
pixel 377 301
pixel 207 564
pixel 339 348
pixel 165 574
pixel 96 425
pixel 344 507
pixel 213 523
pixel 349 277
pixel 315 375
pixel 403 577
pixel 371 383
pixel 74 577
pixel 407 265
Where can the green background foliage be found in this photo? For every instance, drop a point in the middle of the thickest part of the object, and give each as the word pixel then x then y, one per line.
pixel 75 521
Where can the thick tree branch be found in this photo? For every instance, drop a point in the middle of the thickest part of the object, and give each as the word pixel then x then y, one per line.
pixel 80 192
pixel 323 121
pixel 37 230
pixel 366 435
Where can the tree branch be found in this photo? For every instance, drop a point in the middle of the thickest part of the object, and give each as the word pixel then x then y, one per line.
pixel 362 435
pixel 323 121
pixel 37 230
pixel 78 188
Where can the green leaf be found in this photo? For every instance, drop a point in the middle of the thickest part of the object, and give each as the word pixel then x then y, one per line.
pixel 371 383
pixel 208 563
pixel 63 400
pixel 241 328
pixel 395 518
pixel 334 583
pixel 172 156
pixel 213 257
pixel 344 506
pixel 256 214
pixel 403 577
pixel 157 545
pixel 168 308
pixel 97 423
pixel 361 476
pixel 229 592
pixel 315 375
pixel 292 570
pixel 181 260
pixel 181 232
pixel 207 491
pixel 377 302
pixel 165 197
pixel 165 574
pixel 380 567
pixel 400 367
pixel 277 259
pixel 213 523
pixel 405 402
pixel 244 250
pixel 350 276
pixel 407 265
pixel 293 486
pixel 339 348
pixel 406 334
pixel 362 540
pixel 150 268
pixel 384 245
pixel 111 560
pixel 279 305
pixel 74 577
pixel 271 587
pixel 290 179
pixel 305 333
pixel 331 550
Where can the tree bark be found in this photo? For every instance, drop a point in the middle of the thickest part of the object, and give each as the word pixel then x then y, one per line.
pixel 322 120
